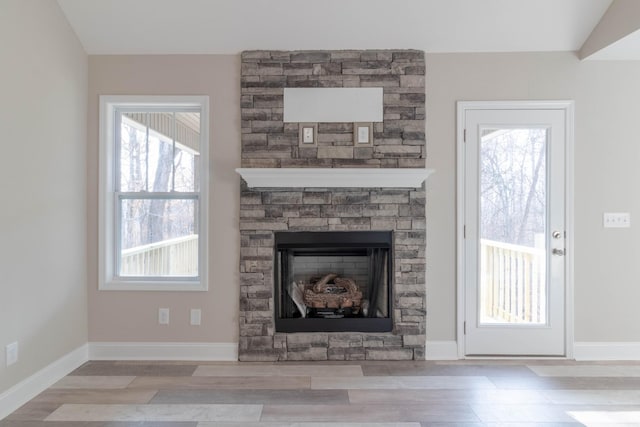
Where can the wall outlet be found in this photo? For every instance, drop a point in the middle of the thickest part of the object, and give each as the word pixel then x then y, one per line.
pixel 163 316
pixel 196 316
pixel 616 220
pixel 12 353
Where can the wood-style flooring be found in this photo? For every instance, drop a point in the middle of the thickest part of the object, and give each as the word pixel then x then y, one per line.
pixel 469 393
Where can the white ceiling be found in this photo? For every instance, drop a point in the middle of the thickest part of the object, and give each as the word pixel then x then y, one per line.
pixel 231 26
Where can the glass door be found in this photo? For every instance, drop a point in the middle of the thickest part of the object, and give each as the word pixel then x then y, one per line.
pixel 514 225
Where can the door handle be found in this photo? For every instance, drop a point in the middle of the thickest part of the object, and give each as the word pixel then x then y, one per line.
pixel 558 252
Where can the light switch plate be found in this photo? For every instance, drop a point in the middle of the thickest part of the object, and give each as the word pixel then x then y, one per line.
pixel 308 135
pixel 363 134
pixel 616 220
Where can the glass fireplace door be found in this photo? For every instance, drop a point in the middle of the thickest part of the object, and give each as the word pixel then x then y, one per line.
pixel 333 281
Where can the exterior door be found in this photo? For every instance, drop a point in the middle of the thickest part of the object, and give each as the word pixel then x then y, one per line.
pixel 514 233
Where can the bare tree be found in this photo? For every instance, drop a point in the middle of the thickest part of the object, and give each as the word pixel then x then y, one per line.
pixel 161 181
pixel 150 163
pixel 513 180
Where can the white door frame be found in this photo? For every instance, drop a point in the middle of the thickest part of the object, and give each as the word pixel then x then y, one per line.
pixel 568 107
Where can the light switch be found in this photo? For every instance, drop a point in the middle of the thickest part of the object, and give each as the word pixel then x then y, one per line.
pixel 616 220
pixel 307 135
pixel 363 135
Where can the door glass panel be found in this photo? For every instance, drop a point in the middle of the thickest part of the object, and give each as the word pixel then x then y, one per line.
pixel 513 206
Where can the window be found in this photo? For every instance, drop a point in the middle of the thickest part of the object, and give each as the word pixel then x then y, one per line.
pixel 153 193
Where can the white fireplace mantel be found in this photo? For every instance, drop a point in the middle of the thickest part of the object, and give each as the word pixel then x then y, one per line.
pixel 334 177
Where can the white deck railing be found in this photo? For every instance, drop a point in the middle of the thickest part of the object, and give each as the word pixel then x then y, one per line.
pixel 171 257
pixel 513 287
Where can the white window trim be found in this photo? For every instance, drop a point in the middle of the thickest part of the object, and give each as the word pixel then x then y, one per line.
pixel 106 203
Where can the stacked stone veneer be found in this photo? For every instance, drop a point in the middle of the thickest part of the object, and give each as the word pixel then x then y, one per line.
pixel 399 141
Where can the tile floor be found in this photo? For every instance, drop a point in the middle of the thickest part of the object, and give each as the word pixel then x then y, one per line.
pixel 468 393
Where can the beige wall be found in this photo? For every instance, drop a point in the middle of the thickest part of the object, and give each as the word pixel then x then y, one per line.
pixel 133 316
pixel 606 155
pixel 43 87
pixel 49 203
pixel 607 152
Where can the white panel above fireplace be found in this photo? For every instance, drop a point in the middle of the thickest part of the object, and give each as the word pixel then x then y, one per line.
pixel 334 177
pixel 333 105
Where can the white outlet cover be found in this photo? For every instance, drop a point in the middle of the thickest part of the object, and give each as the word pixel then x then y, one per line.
pixel 163 316
pixel 196 316
pixel 363 134
pixel 12 353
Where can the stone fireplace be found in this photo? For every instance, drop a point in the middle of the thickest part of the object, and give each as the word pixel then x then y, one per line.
pixel 269 215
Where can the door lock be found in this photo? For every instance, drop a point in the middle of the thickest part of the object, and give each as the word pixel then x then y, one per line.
pixel 556 234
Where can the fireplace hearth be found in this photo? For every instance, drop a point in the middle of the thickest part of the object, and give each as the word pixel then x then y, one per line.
pixel 334 281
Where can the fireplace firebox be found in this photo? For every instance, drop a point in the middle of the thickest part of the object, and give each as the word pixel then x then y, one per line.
pixel 334 281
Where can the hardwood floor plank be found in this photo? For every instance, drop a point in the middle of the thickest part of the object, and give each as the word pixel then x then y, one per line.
pixel 398 382
pixel 125 396
pixel 439 424
pixel 623 371
pixel 33 411
pixel 283 370
pixel 288 397
pixel 456 397
pixel 448 370
pixel 93 382
pixel 96 424
pixel 566 383
pixel 309 424
pixel 368 413
pixel 134 369
pixel 593 397
pixel 165 413
pixel 214 383
pixel 593 416
pixel 522 413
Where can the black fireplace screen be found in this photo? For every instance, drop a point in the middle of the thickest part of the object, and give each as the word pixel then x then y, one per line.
pixel 333 281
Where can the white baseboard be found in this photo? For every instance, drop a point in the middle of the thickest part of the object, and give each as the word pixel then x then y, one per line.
pixel 163 351
pixel 606 350
pixel 441 350
pixel 30 387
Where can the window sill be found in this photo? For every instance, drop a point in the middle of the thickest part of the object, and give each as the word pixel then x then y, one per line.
pixel 141 285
